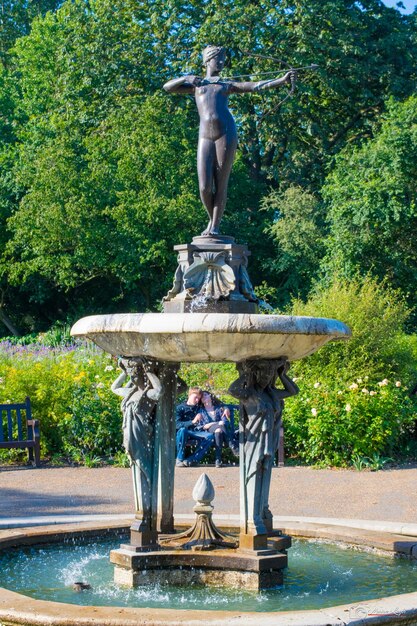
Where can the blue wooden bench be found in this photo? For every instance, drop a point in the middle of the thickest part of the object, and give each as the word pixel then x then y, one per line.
pixel 19 430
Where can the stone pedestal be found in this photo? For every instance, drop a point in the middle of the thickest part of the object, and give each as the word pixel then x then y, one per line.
pixel 212 277
pixel 225 568
pixel 203 555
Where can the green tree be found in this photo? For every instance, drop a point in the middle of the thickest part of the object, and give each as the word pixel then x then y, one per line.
pixel 16 18
pixel 86 183
pixel 298 233
pixel 372 203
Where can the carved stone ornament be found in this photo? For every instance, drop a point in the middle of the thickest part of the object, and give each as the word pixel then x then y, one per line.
pixel 245 284
pixel 203 535
pixel 210 276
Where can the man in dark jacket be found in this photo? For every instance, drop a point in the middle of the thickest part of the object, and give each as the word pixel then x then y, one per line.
pixel 187 418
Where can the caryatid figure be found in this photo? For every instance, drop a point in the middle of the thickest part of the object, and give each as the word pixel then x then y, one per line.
pixel 140 397
pixel 217 140
pixel 261 406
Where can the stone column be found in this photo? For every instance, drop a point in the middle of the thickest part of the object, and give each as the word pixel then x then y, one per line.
pixel 165 448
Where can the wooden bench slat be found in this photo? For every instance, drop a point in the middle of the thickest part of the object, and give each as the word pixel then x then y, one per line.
pixel 17 444
pixel 19 424
pixel 10 424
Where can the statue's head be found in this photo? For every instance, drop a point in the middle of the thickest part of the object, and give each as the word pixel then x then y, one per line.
pixel 214 56
pixel 262 371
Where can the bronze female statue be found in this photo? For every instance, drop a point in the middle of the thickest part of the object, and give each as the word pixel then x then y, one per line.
pixel 218 136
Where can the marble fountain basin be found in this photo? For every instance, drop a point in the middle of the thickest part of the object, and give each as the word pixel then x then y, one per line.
pixel 202 337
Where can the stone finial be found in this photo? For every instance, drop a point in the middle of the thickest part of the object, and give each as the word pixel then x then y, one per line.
pixel 203 534
pixel 203 491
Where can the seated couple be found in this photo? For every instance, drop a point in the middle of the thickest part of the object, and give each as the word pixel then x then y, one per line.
pixel 202 419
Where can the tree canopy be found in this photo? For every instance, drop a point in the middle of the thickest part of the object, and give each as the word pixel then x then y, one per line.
pixel 97 164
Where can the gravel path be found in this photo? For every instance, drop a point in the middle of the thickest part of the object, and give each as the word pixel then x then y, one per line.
pixel 388 495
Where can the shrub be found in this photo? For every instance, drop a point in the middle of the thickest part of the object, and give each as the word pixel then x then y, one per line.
pixel 70 394
pixel 354 396
pixel 332 424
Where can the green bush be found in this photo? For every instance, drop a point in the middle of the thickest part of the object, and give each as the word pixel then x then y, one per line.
pixel 70 394
pixel 331 424
pixel 354 395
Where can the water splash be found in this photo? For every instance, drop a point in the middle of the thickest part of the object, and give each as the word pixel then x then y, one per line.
pixel 199 302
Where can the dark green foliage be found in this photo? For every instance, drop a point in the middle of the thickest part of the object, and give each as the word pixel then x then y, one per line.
pixel 372 203
pixel 298 233
pixel 16 18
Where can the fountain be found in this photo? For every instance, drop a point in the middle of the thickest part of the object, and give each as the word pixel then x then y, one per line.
pixel 210 314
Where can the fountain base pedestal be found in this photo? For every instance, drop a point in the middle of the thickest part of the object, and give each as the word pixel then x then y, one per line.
pixel 211 277
pixel 261 569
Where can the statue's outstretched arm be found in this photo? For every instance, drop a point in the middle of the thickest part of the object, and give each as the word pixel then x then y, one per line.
pixel 184 84
pixel 260 85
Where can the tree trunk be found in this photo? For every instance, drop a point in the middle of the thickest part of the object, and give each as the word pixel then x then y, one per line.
pixel 8 323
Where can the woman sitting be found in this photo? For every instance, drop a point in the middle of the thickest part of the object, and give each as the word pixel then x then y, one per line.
pixel 213 417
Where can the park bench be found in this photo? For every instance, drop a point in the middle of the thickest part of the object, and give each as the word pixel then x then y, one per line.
pixel 233 429
pixel 19 430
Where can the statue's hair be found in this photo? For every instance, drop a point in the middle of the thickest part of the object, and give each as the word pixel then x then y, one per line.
pixel 251 365
pixel 210 52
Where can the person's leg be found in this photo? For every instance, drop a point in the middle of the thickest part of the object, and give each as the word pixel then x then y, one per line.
pixel 225 154
pixel 205 170
pixel 218 442
pixel 230 442
pixel 205 440
pixel 181 439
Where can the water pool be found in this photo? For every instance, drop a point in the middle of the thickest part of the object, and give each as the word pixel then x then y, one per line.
pixel 319 575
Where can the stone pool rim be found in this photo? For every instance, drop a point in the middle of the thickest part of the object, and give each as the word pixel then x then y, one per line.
pixel 19 609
